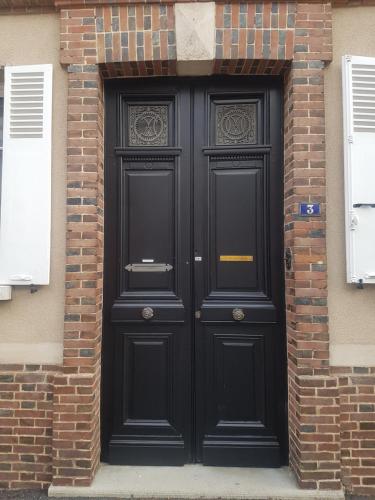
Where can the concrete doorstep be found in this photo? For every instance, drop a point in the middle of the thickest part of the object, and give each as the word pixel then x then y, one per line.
pixel 193 482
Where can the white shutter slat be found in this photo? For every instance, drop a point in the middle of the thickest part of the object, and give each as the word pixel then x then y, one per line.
pixel 359 154
pixel 25 212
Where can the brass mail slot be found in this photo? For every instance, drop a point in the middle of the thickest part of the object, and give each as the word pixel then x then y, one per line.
pixel 236 258
pixel 148 268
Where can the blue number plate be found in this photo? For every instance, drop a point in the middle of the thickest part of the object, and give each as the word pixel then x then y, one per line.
pixel 309 209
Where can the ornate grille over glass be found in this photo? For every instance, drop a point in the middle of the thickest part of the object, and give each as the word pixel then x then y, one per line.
pixel 148 125
pixel 235 124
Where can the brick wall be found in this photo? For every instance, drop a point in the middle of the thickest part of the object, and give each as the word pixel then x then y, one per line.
pixel 42 6
pixel 140 40
pixel 76 428
pixel 125 41
pixel 254 38
pixel 356 388
pixel 26 411
pixel 313 409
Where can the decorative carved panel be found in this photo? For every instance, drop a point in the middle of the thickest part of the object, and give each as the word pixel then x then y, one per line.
pixel 235 124
pixel 148 125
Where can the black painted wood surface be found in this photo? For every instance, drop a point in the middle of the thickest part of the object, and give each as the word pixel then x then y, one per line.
pixel 184 387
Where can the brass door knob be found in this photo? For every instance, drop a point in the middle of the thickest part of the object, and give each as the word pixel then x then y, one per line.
pixel 147 313
pixel 238 314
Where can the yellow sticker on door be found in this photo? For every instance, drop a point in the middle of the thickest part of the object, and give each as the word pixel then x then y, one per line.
pixel 236 258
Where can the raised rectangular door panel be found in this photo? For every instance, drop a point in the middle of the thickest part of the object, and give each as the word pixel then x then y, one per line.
pixel 236 229
pixel 238 379
pixel 194 337
pixel 148 220
pixel 147 379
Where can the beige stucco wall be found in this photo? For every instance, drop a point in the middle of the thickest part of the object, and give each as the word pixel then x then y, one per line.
pixel 351 311
pixel 31 325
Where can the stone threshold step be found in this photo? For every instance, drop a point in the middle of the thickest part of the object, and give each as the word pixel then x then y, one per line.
pixel 193 482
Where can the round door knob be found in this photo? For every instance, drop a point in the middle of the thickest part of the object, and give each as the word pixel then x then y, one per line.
pixel 238 314
pixel 147 313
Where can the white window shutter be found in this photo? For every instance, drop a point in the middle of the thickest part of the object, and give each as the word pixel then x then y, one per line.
pixel 359 153
pixel 25 211
pixel 359 158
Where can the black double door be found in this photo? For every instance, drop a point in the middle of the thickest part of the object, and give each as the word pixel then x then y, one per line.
pixel 193 336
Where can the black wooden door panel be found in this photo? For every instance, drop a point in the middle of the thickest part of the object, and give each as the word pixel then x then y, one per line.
pixel 149 417
pixel 193 305
pixel 148 279
pixel 147 379
pixel 240 414
pixel 149 227
pixel 236 229
pixel 239 346
pixel 238 379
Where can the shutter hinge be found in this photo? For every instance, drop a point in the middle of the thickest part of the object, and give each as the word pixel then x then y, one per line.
pixel 197 315
pixel 350 139
pixel 353 221
pixel 348 59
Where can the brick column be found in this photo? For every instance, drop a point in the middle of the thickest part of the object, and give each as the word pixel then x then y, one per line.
pixel 76 427
pixel 76 431
pixel 313 404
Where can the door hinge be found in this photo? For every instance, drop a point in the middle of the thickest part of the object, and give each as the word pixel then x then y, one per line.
pixel 197 315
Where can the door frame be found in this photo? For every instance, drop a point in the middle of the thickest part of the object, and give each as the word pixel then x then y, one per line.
pixel 255 82
pixel 308 336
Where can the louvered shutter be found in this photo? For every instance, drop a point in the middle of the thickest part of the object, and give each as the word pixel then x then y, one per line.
pixel 25 211
pixel 359 153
